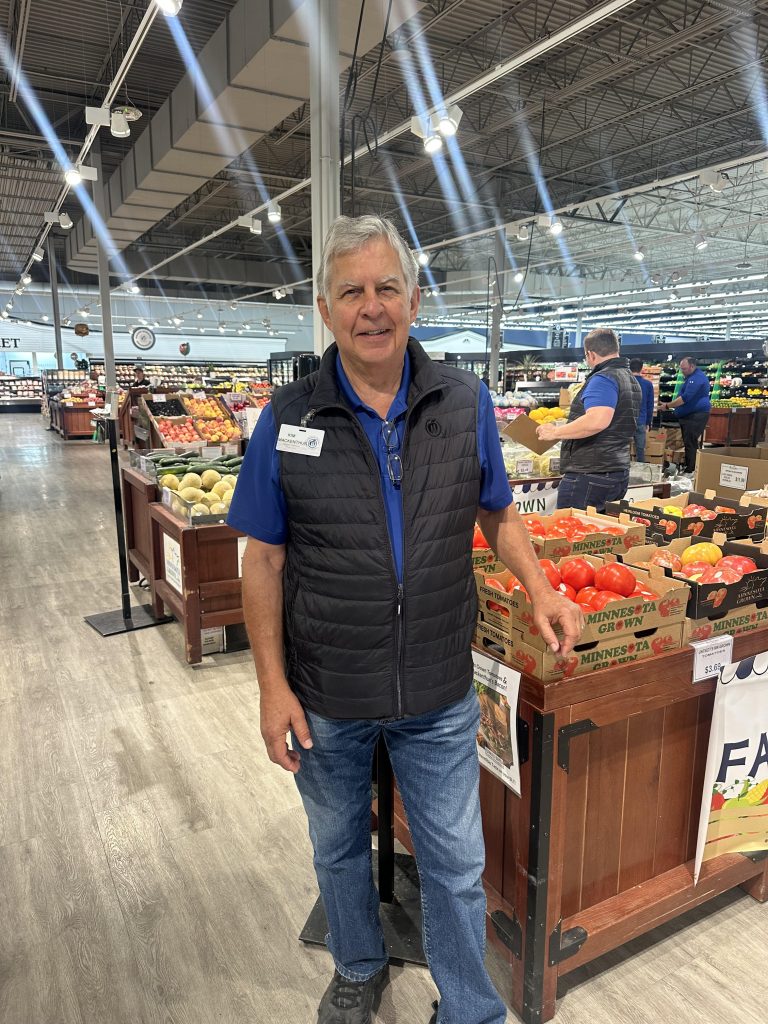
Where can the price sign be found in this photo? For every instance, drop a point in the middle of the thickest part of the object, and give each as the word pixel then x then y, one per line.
pixel 524 467
pixel 158 398
pixel 211 451
pixel 709 656
pixel 734 476
pixel 198 394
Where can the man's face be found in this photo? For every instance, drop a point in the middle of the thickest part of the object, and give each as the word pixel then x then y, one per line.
pixel 368 309
pixel 686 367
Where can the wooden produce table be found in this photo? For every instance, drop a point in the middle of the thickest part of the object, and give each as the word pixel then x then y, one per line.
pixel 72 421
pixel 730 427
pixel 600 847
pixel 138 494
pixel 196 574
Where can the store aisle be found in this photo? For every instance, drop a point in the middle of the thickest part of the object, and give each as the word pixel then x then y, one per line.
pixel 154 867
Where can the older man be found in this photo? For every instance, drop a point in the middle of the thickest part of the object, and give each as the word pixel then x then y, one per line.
pixel 359 492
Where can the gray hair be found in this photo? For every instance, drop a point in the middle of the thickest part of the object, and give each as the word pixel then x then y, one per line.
pixel 349 234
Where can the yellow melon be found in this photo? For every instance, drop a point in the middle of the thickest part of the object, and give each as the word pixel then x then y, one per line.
pixel 170 480
pixel 190 480
pixel 209 478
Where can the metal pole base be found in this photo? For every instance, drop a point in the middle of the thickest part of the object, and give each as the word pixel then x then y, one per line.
pixel 113 623
pixel 400 920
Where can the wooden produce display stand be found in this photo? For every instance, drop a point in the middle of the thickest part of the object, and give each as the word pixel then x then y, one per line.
pixel 195 574
pixel 600 847
pixel 139 493
pixel 72 421
pixel 730 426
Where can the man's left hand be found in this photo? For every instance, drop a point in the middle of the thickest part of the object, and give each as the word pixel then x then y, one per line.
pixel 550 609
pixel 547 432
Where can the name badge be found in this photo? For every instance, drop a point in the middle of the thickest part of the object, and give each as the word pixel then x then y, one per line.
pixel 301 440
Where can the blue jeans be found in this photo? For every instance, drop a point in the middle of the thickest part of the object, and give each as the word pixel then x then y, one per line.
pixel 640 435
pixel 434 758
pixel 582 490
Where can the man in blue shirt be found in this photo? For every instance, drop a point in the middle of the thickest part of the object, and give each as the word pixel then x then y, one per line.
pixel 692 408
pixel 645 417
pixel 359 492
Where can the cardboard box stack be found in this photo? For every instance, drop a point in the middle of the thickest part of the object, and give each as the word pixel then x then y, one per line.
pixel 693 514
pixel 552 538
pixel 731 471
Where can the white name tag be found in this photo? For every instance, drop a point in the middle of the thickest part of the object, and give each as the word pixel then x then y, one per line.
pixel 301 440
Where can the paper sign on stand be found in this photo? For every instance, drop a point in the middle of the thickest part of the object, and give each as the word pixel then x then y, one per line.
pixel 172 558
pixel 539 498
pixel 734 476
pixel 497 688
pixel 734 808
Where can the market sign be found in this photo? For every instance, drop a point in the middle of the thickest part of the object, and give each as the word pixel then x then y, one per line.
pixel 734 811
pixel 497 687
pixel 10 342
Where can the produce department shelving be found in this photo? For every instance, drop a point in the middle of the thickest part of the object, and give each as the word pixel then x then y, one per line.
pixel 582 862
pixel 19 394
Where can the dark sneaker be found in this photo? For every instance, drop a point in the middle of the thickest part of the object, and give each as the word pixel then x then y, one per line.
pixel 433 1018
pixel 352 1002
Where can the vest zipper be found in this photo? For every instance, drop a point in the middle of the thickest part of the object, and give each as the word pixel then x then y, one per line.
pixel 399 652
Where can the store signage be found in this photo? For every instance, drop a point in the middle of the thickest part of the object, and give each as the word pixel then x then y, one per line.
pixel 734 476
pixel 734 809
pixel 709 656
pixel 172 556
pixel 540 499
pixel 10 342
pixel 497 687
pixel 211 451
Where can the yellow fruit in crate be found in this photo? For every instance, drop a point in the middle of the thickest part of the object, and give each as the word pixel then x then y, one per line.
pixel 209 499
pixel 200 510
pixel 171 481
pixel 218 508
pixel 209 478
pixel 229 479
pixel 227 497
pixel 190 480
pixel 220 488
pixel 704 552
pixel 191 493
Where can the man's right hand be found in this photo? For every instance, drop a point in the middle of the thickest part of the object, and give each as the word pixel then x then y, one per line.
pixel 281 712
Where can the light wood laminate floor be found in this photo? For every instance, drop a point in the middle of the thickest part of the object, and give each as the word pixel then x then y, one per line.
pixel 154 867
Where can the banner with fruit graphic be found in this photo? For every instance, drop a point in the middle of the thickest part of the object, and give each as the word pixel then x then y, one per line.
pixel 734 812
pixel 497 687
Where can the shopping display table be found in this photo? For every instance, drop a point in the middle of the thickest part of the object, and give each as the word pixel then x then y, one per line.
pixel 71 421
pixel 599 847
pixel 195 573
pixel 139 492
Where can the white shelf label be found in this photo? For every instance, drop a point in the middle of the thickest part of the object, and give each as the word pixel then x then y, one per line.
pixel 524 467
pixel 709 656
pixel 211 451
pixel 172 556
pixel 734 476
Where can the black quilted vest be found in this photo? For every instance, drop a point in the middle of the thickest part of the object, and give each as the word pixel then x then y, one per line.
pixel 359 645
pixel 607 451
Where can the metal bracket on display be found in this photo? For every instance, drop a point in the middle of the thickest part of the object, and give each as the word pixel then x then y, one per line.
pixel 564 736
pixel 523 740
pixel 509 930
pixel 565 944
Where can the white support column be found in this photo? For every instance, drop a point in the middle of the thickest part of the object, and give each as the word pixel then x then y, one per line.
pixel 579 330
pixel 53 273
pixel 324 135
pixel 100 202
pixel 499 255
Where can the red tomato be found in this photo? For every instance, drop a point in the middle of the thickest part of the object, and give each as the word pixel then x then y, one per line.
pixel 556 530
pixel 478 540
pixel 495 584
pixel 536 529
pixel 667 559
pixel 694 569
pixel 614 531
pixel 604 598
pixel 567 591
pixel 577 573
pixel 551 571
pixel 616 578
pixel 737 563
pixel 587 594
pixel 512 583
pixel 717 575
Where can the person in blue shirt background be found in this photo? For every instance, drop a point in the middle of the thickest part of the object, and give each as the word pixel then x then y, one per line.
pixel 692 408
pixel 645 418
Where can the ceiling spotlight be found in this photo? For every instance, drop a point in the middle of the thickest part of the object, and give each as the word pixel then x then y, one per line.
pixel 66 321
pixel 639 255
pixel 274 213
pixel 170 8
pixel 84 312
pixel 300 316
pixel 37 255
pixel 246 327
pixel 423 259
pixel 675 276
pixel 142 321
pixel 177 320
pixel 18 290
pixel 519 277
pixel 255 226
pixel 45 317
pixel 561 309
pixel 65 221
pixel 428 129
pixel 4 314
pixel 673 296
pixel 199 316
pixel 118 125
pixel 156 323
pixel 700 241
pixel 26 279
pixel 240 330
pixel 221 328
pixel 233 305
pixel 278 294
pixel 522 233
pixel 714 180
pixel 78 174
pixel 448 123
pixel 555 226
pixel 201 329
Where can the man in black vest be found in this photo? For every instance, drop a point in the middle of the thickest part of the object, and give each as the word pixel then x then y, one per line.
pixel 359 492
pixel 594 457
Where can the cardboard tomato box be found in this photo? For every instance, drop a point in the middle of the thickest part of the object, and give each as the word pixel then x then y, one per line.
pixel 746 520
pixel 713 600
pixel 743 620
pixel 483 556
pixel 586 657
pixel 513 613
pixel 594 543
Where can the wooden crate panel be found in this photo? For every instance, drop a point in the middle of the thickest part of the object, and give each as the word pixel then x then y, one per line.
pixel 602 834
pixel 638 827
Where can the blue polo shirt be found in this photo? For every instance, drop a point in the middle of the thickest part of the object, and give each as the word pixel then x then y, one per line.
pixel 695 394
pixel 258 506
pixel 645 417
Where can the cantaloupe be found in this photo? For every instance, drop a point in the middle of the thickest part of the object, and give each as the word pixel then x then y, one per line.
pixel 209 499
pixel 171 481
pixel 200 510
pixel 190 480
pixel 191 493
pixel 218 507
pixel 221 488
pixel 209 478
pixel 230 479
